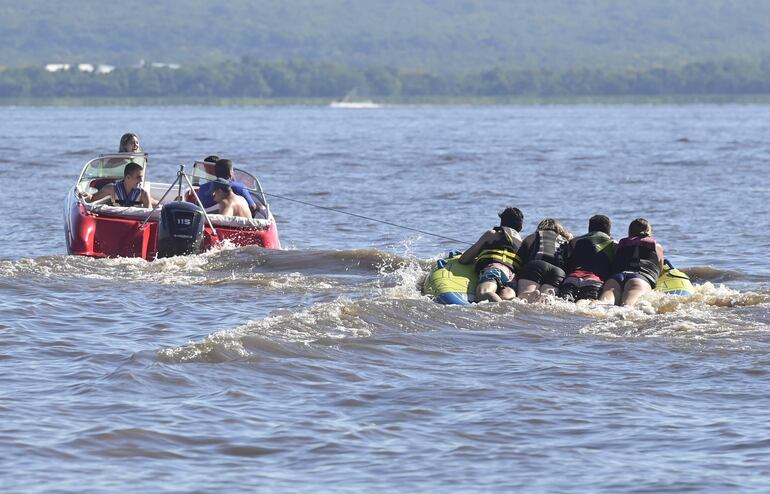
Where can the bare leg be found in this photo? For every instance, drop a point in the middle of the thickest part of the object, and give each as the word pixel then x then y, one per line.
pixel 487 290
pixel 507 293
pixel 634 289
pixel 527 289
pixel 610 293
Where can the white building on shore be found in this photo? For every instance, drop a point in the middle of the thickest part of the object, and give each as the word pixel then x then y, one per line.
pixel 82 67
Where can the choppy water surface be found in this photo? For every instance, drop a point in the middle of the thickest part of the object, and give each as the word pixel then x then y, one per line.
pixel 321 368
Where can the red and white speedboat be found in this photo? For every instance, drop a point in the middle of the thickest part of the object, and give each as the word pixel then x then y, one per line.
pixel 178 225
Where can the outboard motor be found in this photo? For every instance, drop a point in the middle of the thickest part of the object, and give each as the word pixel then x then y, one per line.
pixel 180 229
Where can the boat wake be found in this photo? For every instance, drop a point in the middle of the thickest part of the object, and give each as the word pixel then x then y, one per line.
pixel 227 264
pixel 712 311
pixel 322 329
pixel 700 274
pixel 347 297
pixel 391 310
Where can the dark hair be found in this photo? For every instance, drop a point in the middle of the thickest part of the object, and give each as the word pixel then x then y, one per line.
pixel 124 140
pixel 512 218
pixel 211 159
pixel 220 184
pixel 640 227
pixel 599 223
pixel 131 168
pixel 223 169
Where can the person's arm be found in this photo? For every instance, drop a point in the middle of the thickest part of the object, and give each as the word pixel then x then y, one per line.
pixel 147 200
pixel 107 190
pixel 659 251
pixel 470 254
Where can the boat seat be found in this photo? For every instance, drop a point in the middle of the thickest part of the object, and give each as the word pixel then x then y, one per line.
pixel 100 182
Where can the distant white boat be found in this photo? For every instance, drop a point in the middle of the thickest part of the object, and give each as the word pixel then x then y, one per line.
pixel 354 104
pixel 353 101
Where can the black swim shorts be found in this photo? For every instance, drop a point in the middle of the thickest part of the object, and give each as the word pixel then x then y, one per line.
pixel 574 289
pixel 542 272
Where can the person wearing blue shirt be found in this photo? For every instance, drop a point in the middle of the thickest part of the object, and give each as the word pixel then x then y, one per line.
pixel 223 169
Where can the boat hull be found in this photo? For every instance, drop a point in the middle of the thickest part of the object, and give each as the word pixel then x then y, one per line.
pixel 101 235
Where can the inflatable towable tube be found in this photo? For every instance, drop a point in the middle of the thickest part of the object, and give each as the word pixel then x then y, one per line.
pixel 452 283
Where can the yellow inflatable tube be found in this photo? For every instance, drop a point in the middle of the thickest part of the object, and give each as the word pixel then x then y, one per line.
pixel 673 282
pixel 452 283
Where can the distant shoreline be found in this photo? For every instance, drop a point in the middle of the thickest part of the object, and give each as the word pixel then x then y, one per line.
pixel 677 99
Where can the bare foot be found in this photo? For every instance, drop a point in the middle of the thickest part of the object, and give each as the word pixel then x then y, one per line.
pixel 532 297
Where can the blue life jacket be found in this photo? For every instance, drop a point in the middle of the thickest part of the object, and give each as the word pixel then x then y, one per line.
pixel 125 199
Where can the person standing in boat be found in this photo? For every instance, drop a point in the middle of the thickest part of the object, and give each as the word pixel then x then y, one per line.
pixel 230 203
pixel 126 192
pixel 637 265
pixel 497 259
pixel 129 143
pixel 223 169
pixel 590 261
pixel 543 254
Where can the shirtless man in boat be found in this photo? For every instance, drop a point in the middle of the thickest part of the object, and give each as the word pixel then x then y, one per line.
pixel 230 203
pixel 223 168
pixel 125 192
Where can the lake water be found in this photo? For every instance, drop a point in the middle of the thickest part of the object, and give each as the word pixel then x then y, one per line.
pixel 321 368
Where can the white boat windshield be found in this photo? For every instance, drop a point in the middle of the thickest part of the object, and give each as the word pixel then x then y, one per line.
pixel 108 168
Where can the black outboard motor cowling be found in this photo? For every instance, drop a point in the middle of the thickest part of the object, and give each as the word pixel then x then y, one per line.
pixel 180 229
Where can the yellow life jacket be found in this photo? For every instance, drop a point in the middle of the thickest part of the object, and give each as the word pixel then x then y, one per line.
pixel 503 249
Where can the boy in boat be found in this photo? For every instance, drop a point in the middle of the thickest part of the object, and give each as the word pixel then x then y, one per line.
pixel 497 259
pixel 590 261
pixel 125 192
pixel 637 265
pixel 223 169
pixel 230 203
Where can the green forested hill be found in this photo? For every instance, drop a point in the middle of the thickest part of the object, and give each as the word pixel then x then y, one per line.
pixel 436 35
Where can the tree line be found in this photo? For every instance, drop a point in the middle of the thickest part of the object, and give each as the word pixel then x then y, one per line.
pixel 456 36
pixel 302 79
